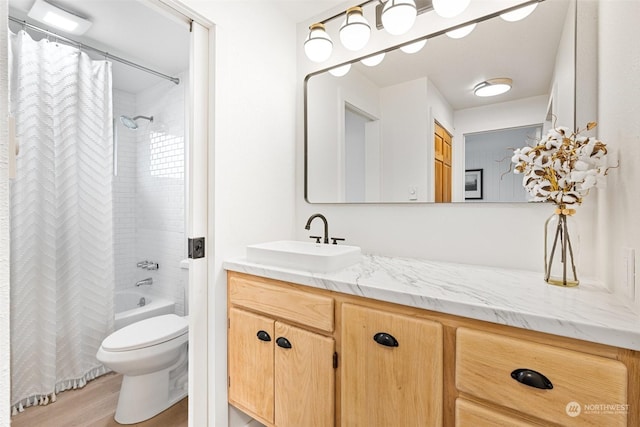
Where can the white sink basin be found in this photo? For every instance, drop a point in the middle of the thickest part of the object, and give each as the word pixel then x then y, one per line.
pixel 309 256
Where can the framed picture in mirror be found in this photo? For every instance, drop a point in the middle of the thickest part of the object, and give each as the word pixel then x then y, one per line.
pixel 473 184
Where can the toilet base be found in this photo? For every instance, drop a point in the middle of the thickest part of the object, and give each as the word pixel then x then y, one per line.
pixel 145 396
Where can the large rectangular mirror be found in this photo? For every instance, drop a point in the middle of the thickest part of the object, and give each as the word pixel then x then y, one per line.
pixel 411 130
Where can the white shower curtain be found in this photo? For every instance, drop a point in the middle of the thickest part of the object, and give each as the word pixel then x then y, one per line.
pixel 62 277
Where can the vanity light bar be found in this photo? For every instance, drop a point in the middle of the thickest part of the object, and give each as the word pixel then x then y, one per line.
pixel 317 30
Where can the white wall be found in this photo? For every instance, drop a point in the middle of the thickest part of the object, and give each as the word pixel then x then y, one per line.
pixel 619 126
pixel 253 144
pixel 562 88
pixel 405 136
pixel 124 193
pixel 160 188
pixel 326 169
pixel 504 115
pixel 149 191
pixel 355 154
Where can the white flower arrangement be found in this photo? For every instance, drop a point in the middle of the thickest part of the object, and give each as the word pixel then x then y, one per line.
pixel 563 166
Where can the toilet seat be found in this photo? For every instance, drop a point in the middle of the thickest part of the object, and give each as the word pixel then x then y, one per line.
pixel 146 333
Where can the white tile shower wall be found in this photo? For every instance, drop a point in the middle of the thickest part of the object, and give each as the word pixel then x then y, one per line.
pixel 160 188
pixel 124 194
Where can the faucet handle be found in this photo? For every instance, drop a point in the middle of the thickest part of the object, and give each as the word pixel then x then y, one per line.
pixel 335 240
pixel 316 237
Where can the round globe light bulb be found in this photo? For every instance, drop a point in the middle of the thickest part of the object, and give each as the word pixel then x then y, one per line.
pixel 355 30
pixel 461 32
pixel 398 16
pixel 414 47
pixel 519 14
pixel 374 60
pixel 450 8
pixel 341 70
pixel 318 45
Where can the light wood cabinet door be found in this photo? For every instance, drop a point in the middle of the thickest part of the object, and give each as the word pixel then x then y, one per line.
pixel 388 385
pixel 304 378
pixel 251 363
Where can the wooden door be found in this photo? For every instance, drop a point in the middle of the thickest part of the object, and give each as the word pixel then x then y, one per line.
pixel 386 385
pixel 304 378
pixel 251 363
pixel 442 164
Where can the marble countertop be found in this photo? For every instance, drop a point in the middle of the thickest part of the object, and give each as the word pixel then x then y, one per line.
pixel 509 297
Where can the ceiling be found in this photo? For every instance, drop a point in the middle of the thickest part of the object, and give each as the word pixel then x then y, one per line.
pixel 137 31
pixel 524 51
pixel 140 32
pixel 128 29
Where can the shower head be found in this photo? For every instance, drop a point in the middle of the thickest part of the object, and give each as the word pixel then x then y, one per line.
pixel 131 122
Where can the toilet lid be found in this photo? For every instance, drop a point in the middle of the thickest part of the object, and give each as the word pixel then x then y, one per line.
pixel 146 333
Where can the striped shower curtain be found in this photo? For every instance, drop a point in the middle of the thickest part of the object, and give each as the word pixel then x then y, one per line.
pixel 62 276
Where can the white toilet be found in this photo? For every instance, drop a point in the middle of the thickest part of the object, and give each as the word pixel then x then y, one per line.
pixel 152 356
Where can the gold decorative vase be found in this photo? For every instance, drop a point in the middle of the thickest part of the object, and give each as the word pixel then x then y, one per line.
pixel 561 244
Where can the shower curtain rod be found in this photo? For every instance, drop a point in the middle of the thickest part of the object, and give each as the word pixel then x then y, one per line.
pixel 101 52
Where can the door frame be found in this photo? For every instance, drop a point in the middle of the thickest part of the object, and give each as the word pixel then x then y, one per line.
pixel 199 105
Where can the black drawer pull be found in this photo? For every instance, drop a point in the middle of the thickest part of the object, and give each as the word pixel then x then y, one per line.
pixel 531 378
pixel 385 339
pixel 263 336
pixel 283 342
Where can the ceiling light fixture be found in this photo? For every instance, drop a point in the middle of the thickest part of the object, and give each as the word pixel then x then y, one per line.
pixel 59 18
pixel 461 32
pixel 341 70
pixel 318 45
pixel 414 47
pixel 518 14
pixel 355 31
pixel 450 8
pixel 493 87
pixel 398 16
pixel 374 60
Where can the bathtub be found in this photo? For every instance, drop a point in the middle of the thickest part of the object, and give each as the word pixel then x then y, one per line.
pixel 127 309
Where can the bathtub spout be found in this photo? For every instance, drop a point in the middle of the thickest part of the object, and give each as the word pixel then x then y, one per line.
pixel 147 281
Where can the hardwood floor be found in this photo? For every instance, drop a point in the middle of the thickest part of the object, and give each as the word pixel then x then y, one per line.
pixel 94 406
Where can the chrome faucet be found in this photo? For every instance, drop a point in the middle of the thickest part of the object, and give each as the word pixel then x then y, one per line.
pixel 326 225
pixel 147 281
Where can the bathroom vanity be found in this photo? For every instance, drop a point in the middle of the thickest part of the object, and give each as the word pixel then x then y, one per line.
pixel 392 341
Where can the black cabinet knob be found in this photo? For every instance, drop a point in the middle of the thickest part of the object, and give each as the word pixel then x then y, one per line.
pixel 263 336
pixel 283 342
pixel 385 339
pixel 532 378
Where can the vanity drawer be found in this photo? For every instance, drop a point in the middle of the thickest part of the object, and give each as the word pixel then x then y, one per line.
pixel 304 308
pixel 471 414
pixel 484 366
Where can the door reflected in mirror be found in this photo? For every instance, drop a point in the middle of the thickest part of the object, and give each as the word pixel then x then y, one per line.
pixel 371 136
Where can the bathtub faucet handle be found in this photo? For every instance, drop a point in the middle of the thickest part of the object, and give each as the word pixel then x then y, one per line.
pixel 151 266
